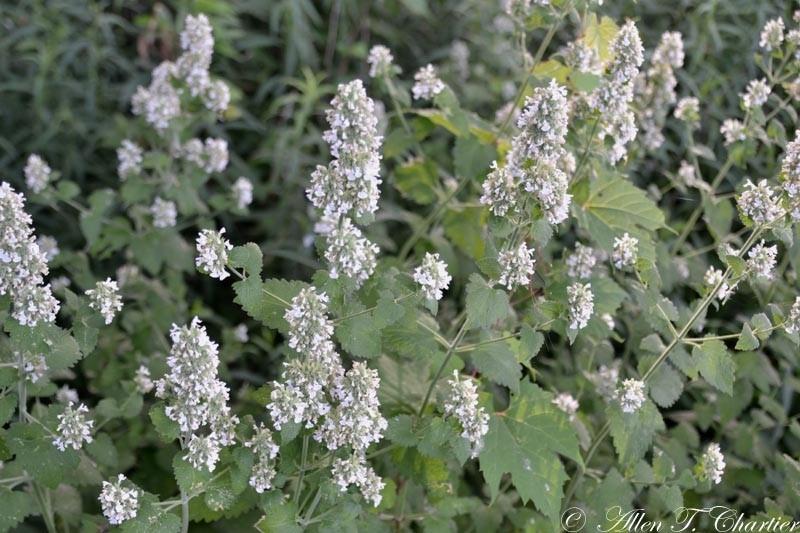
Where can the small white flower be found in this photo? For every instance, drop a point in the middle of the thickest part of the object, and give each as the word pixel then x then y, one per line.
pixel 432 276
pixel 37 173
pixel 760 202
pixel 67 395
pixel 427 83
pixel 605 381
pixel 761 260
pixel 203 451
pixel 756 95
pixel 119 503
pixel 608 320
pixel 217 96
pixel 688 110
pixel 240 333
pixel 565 402
pixel 712 277
pixel 129 159
pixel 733 131
pixel 461 402
pixel 48 246
pixel 380 61
pixel 581 262
pixel 216 153
pixel 354 470
pixel 243 192
pixel 144 383
pixel 581 304
pixel 631 395
pixel 73 428
pixel 34 367
pixel 792 323
pixel 516 267
pixel 105 298
pixel 772 35
pixel 349 253
pixel 164 213
pixel 626 251
pixel 212 253
pixel 712 463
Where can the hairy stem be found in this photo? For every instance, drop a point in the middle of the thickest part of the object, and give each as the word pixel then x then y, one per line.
pixel 450 351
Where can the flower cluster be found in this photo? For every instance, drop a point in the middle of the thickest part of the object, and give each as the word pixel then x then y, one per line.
pixel 432 276
pixel 772 35
pixel 760 203
pixel 266 451
pixel 48 246
pixel 757 93
pixel 733 131
pixel 790 174
pixel 37 173
pixel 129 159
pixel 354 470
pixel 105 298
pixel 533 165
pixel 22 264
pixel 567 403
pixel 688 111
pixel 655 89
pixel 631 395
pixel 427 84
pixel 461 402
pixel 164 213
pixel 196 397
pixel 792 323
pixel 712 463
pixel 142 379
pixel 73 428
pixel 380 61
pixel 712 277
pixel 761 260
pixel 605 381
pixel 242 192
pixel 350 182
pixel 349 253
pixel 613 97
pixel 581 262
pixel 516 267
pixel 310 329
pixel 160 102
pixel 212 253
pixel 626 251
pixel 119 503
pixel 581 304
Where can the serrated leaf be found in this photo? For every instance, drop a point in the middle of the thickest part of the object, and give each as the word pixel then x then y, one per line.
pixel 464 227
pixel 526 441
pixel 417 180
pixel 191 480
pixel 472 158
pixel 248 257
pixel 747 341
pixel 633 433
pixel 279 516
pixel 267 301
pixel 531 342
pixel 36 453
pixel 716 364
pixel 666 385
pixel 497 362
pixel 166 428
pixel 761 326
pixel 151 519
pixel 485 305
pixel 14 507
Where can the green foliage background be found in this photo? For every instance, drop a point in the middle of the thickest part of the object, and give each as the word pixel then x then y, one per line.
pixel 68 70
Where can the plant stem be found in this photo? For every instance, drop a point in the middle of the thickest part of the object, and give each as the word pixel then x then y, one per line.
pixel 303 459
pixel 450 351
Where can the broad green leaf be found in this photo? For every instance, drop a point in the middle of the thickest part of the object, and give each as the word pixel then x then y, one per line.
pixel 552 68
pixel 36 453
pixel 526 441
pixel 666 385
pixel 279 516
pixel 747 341
pixel 464 227
pixel 472 158
pixel 91 221
pixel 716 364
pixel 190 480
pixel 497 362
pixel 598 34
pixel 248 257
pixel 633 433
pixel 166 428
pixel 151 519
pixel 417 180
pixel 267 301
pixel 485 305
pixel 531 342
pixel 14 507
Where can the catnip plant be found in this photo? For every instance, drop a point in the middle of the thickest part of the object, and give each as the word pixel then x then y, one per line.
pixel 495 320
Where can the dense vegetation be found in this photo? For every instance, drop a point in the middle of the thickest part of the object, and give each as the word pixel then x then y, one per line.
pixel 452 265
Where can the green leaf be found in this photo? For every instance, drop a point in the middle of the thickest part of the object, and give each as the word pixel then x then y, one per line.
pixel 485 305
pixel 151 519
pixel 666 385
pixel 166 428
pixel 472 158
pixel 497 362
pixel 267 301
pixel 761 326
pixel 190 480
pixel 598 34
pixel 8 404
pixel 747 341
pixel 58 347
pixel 716 365
pixel 14 507
pixel 526 441
pixel 279 516
pixel 36 453
pixel 417 180
pixel 584 82
pixel 248 257
pixel 531 342
pixel 464 226
pixel 633 433
pixel 91 221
